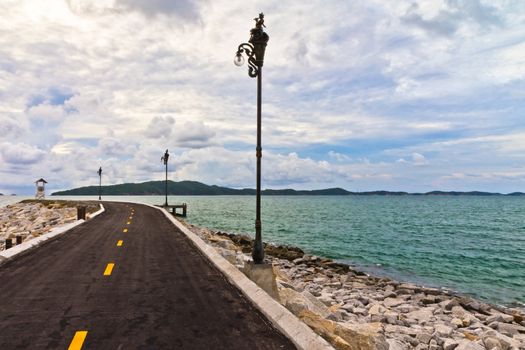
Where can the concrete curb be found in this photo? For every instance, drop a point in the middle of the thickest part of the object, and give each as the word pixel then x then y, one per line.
pixel 36 242
pixel 298 332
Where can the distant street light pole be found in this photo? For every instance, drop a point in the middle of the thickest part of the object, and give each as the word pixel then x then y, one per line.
pixel 254 50
pixel 165 160
pixel 99 182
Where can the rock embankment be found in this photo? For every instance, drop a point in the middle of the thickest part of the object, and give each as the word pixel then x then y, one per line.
pixel 31 218
pixel 355 311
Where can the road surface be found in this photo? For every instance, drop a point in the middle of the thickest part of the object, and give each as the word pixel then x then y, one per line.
pixel 127 279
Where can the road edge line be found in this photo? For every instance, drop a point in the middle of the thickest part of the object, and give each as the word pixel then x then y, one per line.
pixel 294 329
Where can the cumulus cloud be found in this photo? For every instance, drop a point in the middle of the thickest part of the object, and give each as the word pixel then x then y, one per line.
pixel 9 127
pixel 338 157
pixel 187 9
pixel 452 15
pixel 417 159
pixel 194 135
pixel 437 86
pixel 20 154
pixel 159 127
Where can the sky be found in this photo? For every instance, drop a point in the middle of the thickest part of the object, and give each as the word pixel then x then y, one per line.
pixel 365 95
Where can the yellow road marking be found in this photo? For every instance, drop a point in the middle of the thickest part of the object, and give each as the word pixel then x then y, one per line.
pixel 119 243
pixel 125 230
pixel 78 340
pixel 129 222
pixel 109 268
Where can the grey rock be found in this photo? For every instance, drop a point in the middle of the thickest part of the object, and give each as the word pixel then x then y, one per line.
pixel 401 330
pixel 469 345
pixel 393 302
pixel 494 318
pixel 507 328
pixel 505 342
pixel 298 261
pixel 424 338
pixel 492 343
pixel 404 291
pixel 406 308
pixel 450 344
pixel 457 322
pixel 423 315
pixel 391 317
pixel 360 311
pixel 443 330
pixel 376 309
pixel 394 344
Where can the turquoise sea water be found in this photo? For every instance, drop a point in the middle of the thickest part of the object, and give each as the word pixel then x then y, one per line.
pixel 473 245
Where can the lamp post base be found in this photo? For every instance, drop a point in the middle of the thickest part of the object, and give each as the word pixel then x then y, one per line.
pixel 258 252
pixel 263 276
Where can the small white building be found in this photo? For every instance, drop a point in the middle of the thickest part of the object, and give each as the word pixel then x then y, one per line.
pixel 40 188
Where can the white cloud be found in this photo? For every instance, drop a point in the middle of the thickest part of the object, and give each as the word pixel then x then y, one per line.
pixel 159 127
pixel 194 135
pixel 438 84
pixel 20 154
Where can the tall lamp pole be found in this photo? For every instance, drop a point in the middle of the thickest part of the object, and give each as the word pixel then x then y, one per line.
pixel 254 49
pixel 99 182
pixel 165 160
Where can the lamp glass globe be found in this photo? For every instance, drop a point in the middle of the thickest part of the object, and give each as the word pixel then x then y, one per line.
pixel 238 60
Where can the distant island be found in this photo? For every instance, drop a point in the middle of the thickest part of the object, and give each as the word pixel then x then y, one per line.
pixel 194 188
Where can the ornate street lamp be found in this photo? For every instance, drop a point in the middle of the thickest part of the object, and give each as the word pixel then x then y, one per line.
pixel 254 49
pixel 165 160
pixel 99 172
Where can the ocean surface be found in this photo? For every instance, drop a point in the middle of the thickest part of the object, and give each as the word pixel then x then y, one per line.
pixel 472 245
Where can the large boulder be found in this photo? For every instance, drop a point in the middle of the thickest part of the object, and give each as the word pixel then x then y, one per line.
pixel 469 345
pixel 393 302
pixel 365 336
pixel 425 314
pixel 297 302
pixel 508 328
pixel 326 329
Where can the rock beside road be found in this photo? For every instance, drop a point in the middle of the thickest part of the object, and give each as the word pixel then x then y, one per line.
pixel 31 218
pixel 356 311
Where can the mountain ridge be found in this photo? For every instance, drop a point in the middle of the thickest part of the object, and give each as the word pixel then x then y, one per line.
pixel 195 188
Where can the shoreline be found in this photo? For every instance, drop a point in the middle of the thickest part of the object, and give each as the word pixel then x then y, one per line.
pixel 337 299
pixel 353 309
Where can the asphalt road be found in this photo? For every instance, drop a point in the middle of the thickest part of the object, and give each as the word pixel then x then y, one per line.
pixel 161 293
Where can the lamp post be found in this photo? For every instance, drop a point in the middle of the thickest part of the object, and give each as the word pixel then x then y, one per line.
pixel 165 160
pixel 99 182
pixel 254 49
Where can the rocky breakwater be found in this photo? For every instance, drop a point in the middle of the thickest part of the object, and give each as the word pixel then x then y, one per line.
pixel 356 311
pixel 29 219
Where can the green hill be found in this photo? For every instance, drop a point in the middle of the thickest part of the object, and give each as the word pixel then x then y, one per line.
pixel 194 188
pixel 184 188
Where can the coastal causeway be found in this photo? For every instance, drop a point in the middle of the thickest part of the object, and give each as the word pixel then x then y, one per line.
pixel 128 279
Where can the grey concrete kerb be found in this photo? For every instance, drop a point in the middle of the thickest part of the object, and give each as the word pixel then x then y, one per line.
pixel 297 331
pixel 34 243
